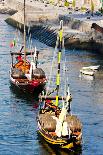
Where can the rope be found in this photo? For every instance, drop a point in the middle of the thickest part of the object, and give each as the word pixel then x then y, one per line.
pixel 51 70
pixel 61 39
pixel 59 36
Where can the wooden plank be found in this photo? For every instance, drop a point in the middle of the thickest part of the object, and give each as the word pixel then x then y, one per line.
pixel 19 53
pixel 52 98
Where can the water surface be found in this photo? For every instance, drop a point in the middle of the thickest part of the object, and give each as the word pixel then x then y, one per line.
pixel 18 127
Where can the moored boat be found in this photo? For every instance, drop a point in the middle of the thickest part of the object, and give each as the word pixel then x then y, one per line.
pixel 55 123
pixel 92 67
pixel 25 74
pixel 87 72
pixel 90 70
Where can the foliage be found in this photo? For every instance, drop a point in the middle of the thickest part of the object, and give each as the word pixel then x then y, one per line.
pixel 92 6
pixel 73 3
pixel 66 3
pixel 101 10
pixel 83 8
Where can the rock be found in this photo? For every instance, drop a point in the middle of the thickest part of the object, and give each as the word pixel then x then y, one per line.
pixel 4 9
pixel 38 73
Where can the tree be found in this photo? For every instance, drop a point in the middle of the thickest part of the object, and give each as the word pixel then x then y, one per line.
pixel 73 4
pixel 92 7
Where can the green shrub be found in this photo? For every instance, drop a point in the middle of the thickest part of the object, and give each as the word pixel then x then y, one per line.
pixel 101 10
pixel 83 8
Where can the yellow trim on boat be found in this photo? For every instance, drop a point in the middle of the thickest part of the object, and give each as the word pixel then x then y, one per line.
pixel 57 101
pixel 68 146
pixel 61 143
pixel 61 35
pixel 59 57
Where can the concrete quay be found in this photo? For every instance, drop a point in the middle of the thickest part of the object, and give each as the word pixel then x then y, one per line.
pixel 43 21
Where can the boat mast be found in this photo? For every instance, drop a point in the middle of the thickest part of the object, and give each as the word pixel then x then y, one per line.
pixel 24 37
pixel 60 35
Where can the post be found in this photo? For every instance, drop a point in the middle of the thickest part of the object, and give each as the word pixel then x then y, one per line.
pixel 24 37
pixel 59 59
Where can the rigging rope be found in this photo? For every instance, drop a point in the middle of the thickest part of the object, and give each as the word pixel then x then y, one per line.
pixel 61 59
pixel 51 70
pixel 58 43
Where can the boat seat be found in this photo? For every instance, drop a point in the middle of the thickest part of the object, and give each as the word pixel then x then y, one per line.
pixel 18 76
pixel 17 73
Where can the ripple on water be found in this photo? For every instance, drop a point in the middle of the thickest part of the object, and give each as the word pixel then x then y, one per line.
pixel 18 126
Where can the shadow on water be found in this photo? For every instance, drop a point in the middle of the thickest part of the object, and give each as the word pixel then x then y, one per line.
pixel 31 99
pixel 53 150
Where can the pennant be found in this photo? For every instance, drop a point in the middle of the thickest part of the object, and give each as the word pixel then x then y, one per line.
pixel 13 43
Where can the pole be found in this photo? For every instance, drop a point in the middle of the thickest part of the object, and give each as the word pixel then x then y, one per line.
pixel 59 59
pixel 24 37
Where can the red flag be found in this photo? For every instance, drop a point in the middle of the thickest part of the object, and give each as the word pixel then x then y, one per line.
pixel 13 43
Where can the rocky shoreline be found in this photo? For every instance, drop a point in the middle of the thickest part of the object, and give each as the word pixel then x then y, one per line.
pixel 4 9
pixel 43 20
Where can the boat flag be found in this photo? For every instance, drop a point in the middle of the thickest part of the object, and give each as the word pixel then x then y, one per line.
pixel 13 43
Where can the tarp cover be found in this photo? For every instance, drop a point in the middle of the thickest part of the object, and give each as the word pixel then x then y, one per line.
pixel 48 123
pixel 38 73
pixel 16 73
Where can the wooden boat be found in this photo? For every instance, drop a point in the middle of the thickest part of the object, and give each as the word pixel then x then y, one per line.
pixel 90 70
pixel 87 72
pixel 25 74
pixel 56 124
pixel 92 67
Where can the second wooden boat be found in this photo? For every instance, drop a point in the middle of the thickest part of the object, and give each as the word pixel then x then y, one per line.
pixel 55 123
pixel 25 74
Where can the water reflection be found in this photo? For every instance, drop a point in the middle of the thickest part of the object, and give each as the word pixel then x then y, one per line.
pixel 30 99
pixel 87 77
pixel 18 112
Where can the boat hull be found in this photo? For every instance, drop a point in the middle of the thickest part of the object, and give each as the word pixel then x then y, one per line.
pixel 27 86
pixel 61 143
pixel 87 72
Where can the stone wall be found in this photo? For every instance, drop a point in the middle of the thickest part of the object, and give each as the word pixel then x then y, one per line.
pixel 18 5
pixel 45 24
